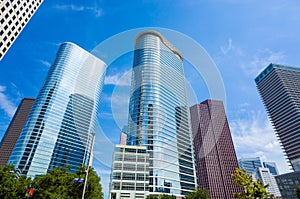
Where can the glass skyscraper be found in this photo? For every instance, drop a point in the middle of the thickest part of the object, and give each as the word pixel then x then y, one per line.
pixel 60 127
pixel 250 164
pixel 279 88
pixel 159 115
pixel 272 167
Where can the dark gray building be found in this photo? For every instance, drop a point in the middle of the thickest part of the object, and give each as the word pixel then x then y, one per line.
pixel 279 87
pixel 287 184
pixel 14 129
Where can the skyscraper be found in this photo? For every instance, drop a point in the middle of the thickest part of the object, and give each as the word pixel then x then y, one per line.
pixel 267 178
pixel 14 129
pixel 214 150
pixel 14 16
pixel 159 115
pixel 287 184
pixel 59 130
pixel 250 164
pixel 272 167
pixel 279 88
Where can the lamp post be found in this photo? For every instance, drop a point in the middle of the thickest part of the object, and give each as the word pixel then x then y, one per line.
pixel 89 164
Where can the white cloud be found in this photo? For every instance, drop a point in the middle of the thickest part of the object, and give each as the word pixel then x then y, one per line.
pixel 96 10
pixel 119 79
pixel 227 48
pixel 45 63
pixel 254 136
pixel 6 104
pixel 261 60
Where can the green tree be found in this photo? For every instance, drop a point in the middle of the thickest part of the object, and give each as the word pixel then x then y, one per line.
pixel 298 191
pixel 252 188
pixel 60 184
pixel 10 185
pixel 93 188
pixel 198 193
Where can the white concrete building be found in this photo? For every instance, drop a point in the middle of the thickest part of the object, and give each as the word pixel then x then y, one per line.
pixel 14 15
pixel 130 173
pixel 267 178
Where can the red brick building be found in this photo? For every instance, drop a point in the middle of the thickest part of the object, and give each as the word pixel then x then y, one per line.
pixel 215 155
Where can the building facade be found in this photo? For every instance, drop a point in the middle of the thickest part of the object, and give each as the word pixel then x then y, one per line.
pixel 14 129
pixel 250 164
pixel 214 150
pixel 272 167
pixel 279 88
pixel 130 173
pixel 14 16
pixel 287 184
pixel 60 127
pixel 267 178
pixel 159 115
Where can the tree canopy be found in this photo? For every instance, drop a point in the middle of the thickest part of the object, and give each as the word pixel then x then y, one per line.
pixel 10 185
pixel 198 193
pixel 57 184
pixel 298 191
pixel 252 188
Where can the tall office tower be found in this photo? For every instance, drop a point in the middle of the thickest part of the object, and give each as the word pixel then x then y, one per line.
pixel 159 115
pixel 123 135
pixel 14 129
pixel 279 88
pixel 60 128
pixel 250 164
pixel 14 16
pixel 130 173
pixel 272 167
pixel 214 151
pixel 287 184
pixel 267 178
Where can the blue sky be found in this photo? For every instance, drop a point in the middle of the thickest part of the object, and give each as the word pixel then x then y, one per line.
pixel 242 37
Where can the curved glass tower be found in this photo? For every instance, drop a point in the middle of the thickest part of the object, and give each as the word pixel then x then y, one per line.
pixel 60 126
pixel 159 114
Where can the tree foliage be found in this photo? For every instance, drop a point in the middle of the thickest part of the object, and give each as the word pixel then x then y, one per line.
pixel 252 188
pixel 10 185
pixel 198 193
pixel 298 191
pixel 57 184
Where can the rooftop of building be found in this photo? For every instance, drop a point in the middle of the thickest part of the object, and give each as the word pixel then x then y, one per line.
pixel 270 67
pixel 130 146
pixel 163 40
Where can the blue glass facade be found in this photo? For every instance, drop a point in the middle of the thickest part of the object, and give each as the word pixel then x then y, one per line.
pixel 250 164
pixel 60 126
pixel 159 114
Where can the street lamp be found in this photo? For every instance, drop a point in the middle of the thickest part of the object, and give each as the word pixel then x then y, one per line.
pixel 90 164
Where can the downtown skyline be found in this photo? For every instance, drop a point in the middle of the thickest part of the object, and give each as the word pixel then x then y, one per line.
pixel 238 55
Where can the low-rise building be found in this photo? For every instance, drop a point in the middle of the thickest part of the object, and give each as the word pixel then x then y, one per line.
pixel 130 172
